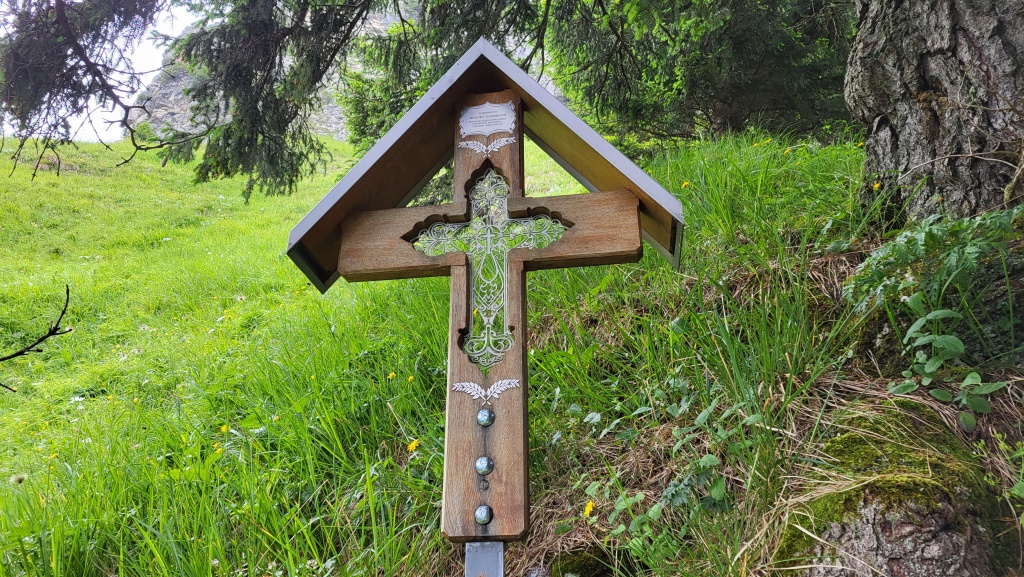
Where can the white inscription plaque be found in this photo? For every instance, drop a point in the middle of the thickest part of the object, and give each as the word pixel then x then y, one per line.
pixel 487 119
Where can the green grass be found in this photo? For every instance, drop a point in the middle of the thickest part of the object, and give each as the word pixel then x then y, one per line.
pixel 211 414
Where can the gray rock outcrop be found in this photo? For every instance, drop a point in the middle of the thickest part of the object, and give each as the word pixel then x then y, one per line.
pixel 167 105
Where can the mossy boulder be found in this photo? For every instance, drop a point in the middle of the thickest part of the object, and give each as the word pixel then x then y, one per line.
pixel 902 496
pixel 586 563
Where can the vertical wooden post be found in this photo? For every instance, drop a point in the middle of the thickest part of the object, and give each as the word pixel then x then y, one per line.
pixel 506 489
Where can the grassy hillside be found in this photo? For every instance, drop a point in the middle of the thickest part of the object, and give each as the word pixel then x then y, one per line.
pixel 211 414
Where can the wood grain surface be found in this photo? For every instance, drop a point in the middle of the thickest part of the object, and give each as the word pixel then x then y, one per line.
pixel 603 228
pixel 506 489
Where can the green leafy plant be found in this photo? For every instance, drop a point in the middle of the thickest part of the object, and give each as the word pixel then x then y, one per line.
pixel 941 347
pixel 928 274
pixel 702 486
pixel 930 257
pixel 932 349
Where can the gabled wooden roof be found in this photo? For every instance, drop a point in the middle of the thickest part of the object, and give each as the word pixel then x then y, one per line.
pixel 404 160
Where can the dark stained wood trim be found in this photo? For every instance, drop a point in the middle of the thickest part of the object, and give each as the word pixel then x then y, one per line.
pixel 412 150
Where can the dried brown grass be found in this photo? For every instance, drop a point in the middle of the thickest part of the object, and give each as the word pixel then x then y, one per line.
pixel 825 273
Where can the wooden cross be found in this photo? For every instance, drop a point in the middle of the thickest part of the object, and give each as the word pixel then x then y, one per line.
pixel 486 240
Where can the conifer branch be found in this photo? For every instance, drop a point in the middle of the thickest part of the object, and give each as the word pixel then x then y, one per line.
pixel 53 331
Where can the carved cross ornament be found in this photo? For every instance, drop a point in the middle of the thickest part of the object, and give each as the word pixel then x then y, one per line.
pixel 487 239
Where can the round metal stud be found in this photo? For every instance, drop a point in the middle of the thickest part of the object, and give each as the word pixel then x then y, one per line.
pixel 484 465
pixel 483 515
pixel 485 417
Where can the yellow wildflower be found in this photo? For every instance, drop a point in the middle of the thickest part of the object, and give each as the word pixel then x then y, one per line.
pixel 312 377
pixel 588 509
pixel 53 456
pixel 277 418
pixel 391 375
pixel 410 378
pixel 767 141
pixel 877 186
pixel 135 400
pixel 756 143
pixel 110 397
pixel 859 144
pixel 413 445
pixel 685 184
pixel 223 428
pixel 787 151
pixel 220 450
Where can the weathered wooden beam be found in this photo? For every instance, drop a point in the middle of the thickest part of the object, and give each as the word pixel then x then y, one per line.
pixel 605 229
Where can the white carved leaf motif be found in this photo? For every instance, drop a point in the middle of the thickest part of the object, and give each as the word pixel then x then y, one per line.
pixel 477 392
pixel 497 144
pixel 477 147
pixel 472 389
pixel 487 149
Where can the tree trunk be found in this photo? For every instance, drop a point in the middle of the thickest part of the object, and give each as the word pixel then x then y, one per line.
pixel 939 85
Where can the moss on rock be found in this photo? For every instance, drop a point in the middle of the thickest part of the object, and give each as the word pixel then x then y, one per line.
pixel 903 493
pixel 587 563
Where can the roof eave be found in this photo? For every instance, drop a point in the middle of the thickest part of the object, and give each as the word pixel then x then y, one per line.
pixel 482 65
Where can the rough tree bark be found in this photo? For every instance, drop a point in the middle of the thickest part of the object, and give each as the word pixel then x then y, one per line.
pixel 939 84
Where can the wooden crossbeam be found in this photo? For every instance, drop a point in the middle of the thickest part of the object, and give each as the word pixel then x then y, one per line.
pixel 604 230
